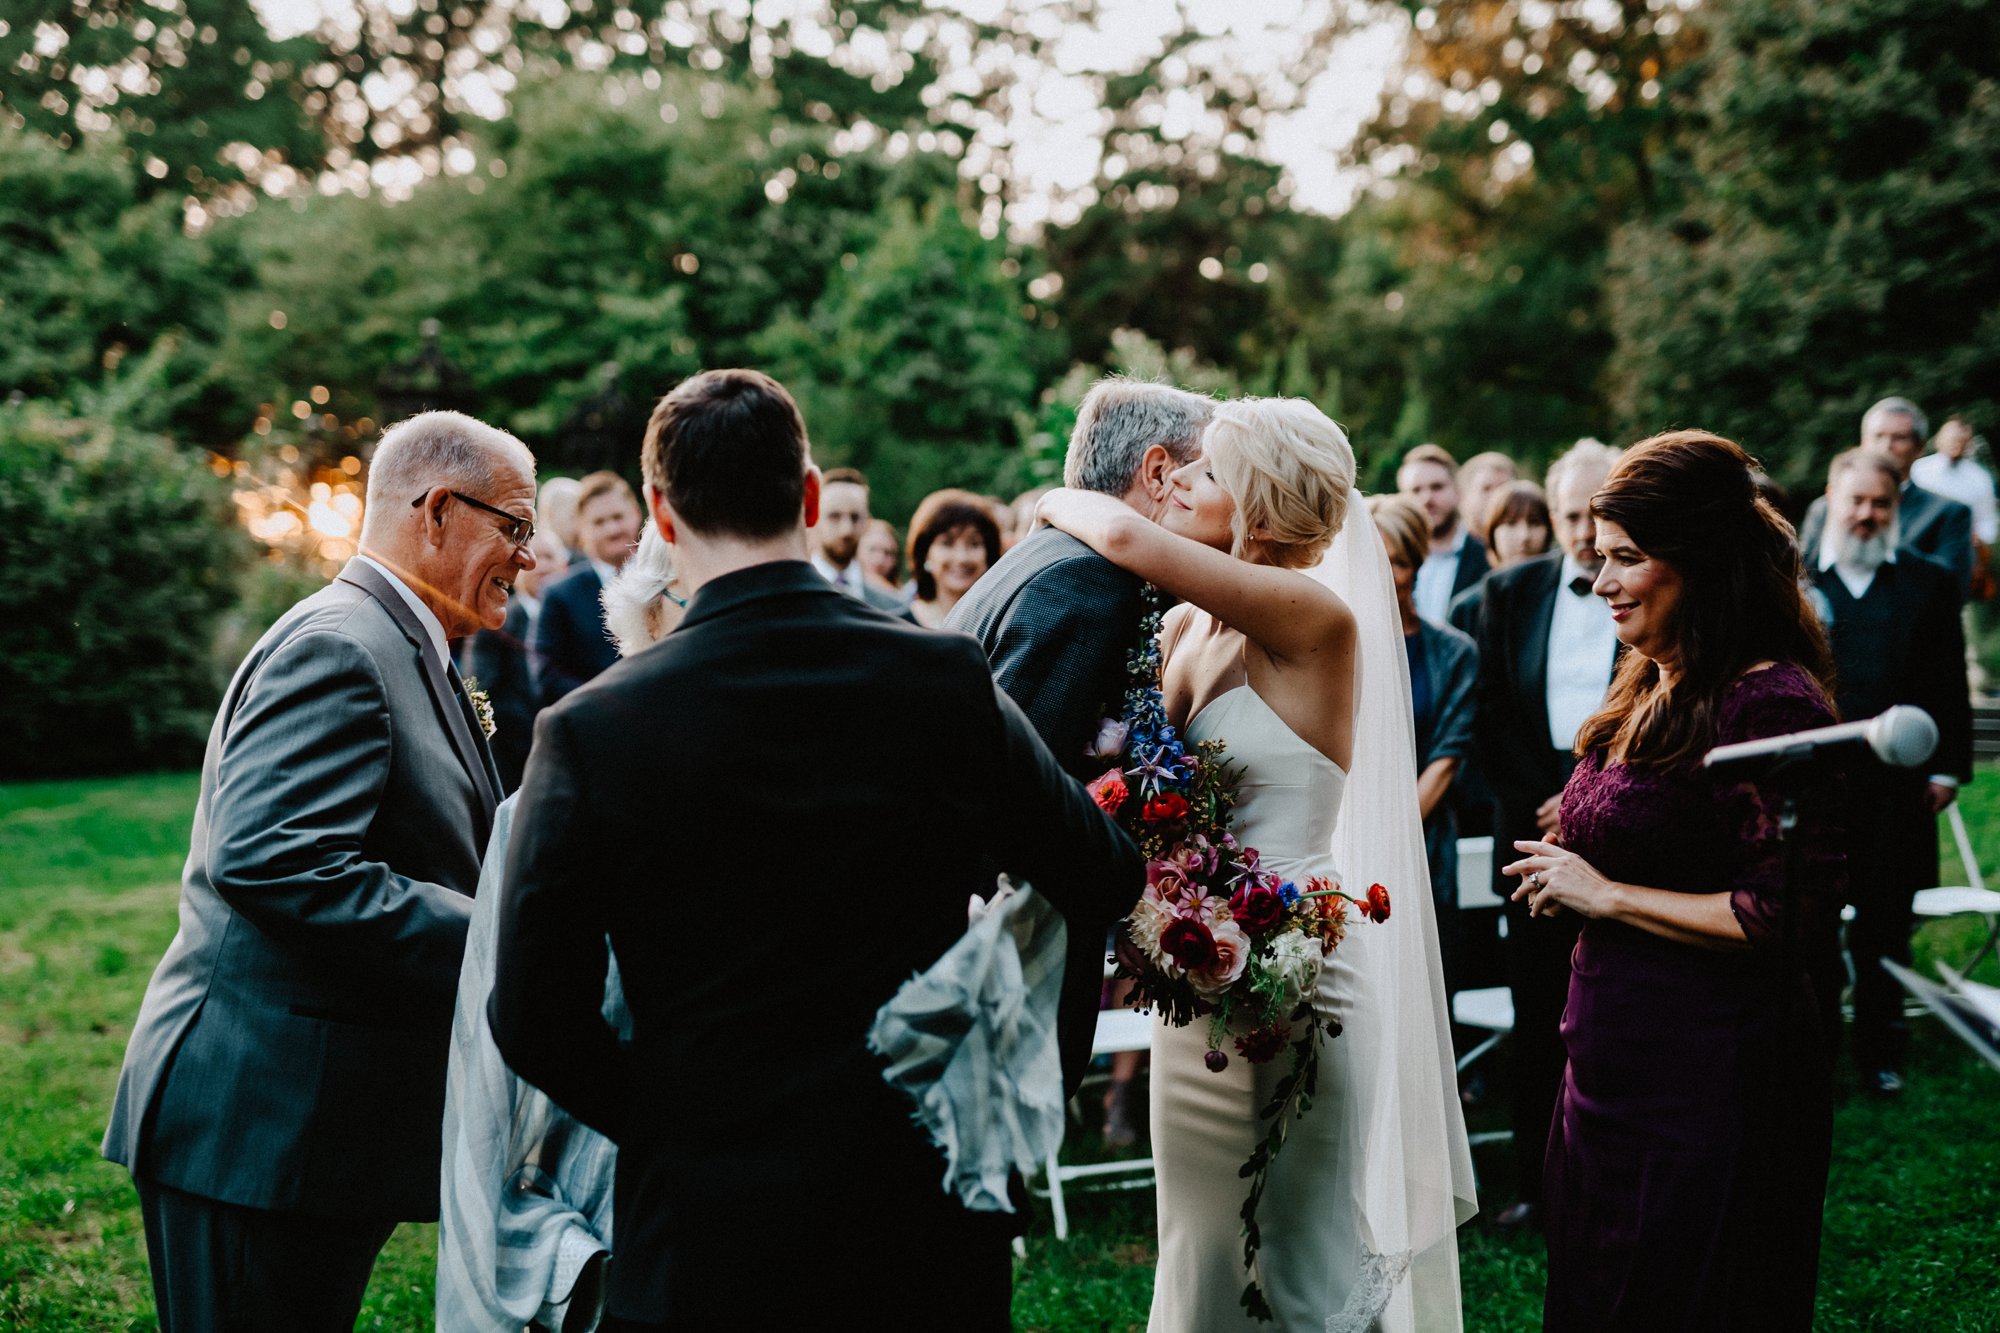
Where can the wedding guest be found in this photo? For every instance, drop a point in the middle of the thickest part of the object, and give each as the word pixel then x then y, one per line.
pixel 1517 525
pixel 1480 478
pixel 1003 519
pixel 1457 560
pixel 1546 652
pixel 1024 507
pixel 1057 620
pixel 1953 472
pixel 1687 1161
pixel 570 645
pixel 501 664
pixel 843 518
pixel 953 542
pixel 555 513
pixel 1444 671
pixel 1893 618
pixel 280 1099
pixel 532 1258
pixel 1926 522
pixel 881 556
pixel 723 727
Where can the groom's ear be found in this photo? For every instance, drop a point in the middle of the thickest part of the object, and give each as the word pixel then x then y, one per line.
pixel 663 517
pixel 812 496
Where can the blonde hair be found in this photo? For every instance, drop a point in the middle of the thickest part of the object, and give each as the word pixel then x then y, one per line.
pixel 1290 470
pixel 1405 529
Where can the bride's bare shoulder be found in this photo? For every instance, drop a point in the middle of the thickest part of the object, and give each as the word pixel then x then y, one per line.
pixel 1324 609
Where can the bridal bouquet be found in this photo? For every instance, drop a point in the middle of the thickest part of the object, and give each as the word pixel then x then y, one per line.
pixel 1221 935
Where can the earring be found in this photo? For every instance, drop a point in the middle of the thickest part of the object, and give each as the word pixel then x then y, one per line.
pixel 668 593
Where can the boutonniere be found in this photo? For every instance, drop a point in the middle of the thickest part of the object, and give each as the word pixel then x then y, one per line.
pixel 482 707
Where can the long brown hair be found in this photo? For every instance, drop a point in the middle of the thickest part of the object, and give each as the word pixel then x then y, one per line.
pixel 1688 498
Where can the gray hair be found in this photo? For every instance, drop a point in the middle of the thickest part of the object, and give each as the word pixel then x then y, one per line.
pixel 437 449
pixel 1901 407
pixel 1586 452
pixel 636 593
pixel 1119 419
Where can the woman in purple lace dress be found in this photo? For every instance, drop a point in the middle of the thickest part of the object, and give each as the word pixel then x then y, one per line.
pixel 1687 1163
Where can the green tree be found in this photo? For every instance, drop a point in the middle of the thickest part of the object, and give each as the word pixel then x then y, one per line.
pixel 1838 242
pixel 91 276
pixel 917 363
pixel 121 555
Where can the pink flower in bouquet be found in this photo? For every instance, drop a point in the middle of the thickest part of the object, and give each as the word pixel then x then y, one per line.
pixel 1257 908
pixel 1189 942
pixel 1111 737
pixel 1173 887
pixel 1149 917
pixel 1191 857
pixel 1109 791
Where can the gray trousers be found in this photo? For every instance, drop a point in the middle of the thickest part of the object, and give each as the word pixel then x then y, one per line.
pixel 222 1268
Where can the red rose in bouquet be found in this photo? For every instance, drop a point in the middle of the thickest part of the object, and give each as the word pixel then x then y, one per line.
pixel 1256 907
pixel 1167 808
pixel 1188 942
pixel 1377 908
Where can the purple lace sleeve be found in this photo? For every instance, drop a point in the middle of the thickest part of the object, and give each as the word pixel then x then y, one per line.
pixel 1784 702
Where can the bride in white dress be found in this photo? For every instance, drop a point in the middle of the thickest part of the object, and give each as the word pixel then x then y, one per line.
pixel 1289 650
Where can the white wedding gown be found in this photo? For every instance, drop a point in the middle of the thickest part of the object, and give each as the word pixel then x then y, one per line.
pixel 1361 1210
pixel 1205 1124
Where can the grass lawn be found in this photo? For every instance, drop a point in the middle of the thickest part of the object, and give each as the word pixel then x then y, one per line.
pixel 88 883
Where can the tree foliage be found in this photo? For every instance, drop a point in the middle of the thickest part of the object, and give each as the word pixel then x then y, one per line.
pixel 121 556
pixel 1840 239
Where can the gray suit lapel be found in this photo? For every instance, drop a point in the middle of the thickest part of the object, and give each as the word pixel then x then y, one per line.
pixel 470 753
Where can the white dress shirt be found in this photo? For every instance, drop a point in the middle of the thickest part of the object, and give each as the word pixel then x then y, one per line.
pixel 1583 644
pixel 1966 482
pixel 1434 579
pixel 425 616
pixel 847 580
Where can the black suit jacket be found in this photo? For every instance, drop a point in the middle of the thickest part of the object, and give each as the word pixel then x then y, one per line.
pixel 1472 565
pixel 1514 609
pixel 570 643
pixel 1917 656
pixel 501 662
pixel 776 815
pixel 1931 525
pixel 1056 620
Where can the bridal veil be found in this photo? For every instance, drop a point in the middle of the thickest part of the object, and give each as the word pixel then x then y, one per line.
pixel 1411 1165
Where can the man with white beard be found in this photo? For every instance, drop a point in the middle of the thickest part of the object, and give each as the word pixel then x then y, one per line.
pixel 1892 616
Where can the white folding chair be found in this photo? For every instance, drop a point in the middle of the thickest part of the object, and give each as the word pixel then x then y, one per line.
pixel 1973 899
pixel 1118 1030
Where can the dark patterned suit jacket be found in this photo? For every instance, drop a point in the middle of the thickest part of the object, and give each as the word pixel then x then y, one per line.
pixel 1056 620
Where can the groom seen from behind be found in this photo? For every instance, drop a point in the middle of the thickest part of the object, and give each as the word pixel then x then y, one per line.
pixel 762 907
pixel 1056 620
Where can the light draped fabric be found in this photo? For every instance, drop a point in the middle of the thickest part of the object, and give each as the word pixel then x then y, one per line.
pixel 526 1208
pixel 972 1040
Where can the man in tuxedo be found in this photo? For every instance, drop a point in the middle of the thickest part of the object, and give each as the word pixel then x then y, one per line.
pixel 570 643
pixel 280 1104
pixel 762 905
pixel 1893 618
pixel 1428 478
pixel 1057 619
pixel 1547 648
pixel 843 520
pixel 1927 523
pixel 501 662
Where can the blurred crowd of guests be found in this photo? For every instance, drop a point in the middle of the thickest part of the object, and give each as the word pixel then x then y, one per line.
pixel 1510 651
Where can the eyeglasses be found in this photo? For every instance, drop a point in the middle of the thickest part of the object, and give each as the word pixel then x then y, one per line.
pixel 518 530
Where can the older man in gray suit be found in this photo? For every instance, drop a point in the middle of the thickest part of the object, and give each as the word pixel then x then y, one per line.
pixel 281 1099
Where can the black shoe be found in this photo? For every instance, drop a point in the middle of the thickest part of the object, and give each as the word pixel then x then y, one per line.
pixel 1882 1083
pixel 1517 1217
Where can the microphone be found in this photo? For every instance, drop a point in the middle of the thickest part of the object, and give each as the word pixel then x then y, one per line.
pixel 1901 737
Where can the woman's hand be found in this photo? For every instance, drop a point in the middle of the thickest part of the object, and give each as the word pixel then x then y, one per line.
pixel 1553 879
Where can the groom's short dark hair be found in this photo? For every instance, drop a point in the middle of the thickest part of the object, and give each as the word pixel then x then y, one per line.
pixel 728 450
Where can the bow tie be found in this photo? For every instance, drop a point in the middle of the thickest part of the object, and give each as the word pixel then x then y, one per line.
pixel 1581 585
